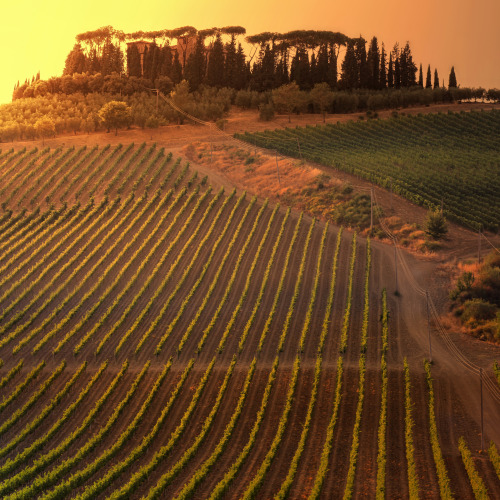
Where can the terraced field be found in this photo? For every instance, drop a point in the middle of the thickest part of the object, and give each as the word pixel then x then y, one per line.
pixel 160 339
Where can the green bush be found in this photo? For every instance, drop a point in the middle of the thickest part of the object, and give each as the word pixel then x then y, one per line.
pixel 435 225
pixel 478 310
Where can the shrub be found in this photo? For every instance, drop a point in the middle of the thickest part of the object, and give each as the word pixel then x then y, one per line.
pixel 435 225
pixel 478 310
pixel 464 284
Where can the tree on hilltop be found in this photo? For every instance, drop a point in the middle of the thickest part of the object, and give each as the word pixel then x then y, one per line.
pixel 134 61
pixel 195 69
pixel 215 63
pixel 390 72
pixel 350 73
pixel 428 79
pixel 373 61
pixel 75 61
pixel 452 82
pixel 383 69
pixel 436 79
pixel 420 77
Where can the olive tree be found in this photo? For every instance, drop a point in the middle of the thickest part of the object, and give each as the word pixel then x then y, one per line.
pixel 115 114
pixel 287 98
pixel 45 127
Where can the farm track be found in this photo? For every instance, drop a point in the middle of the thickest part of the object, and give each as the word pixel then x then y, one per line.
pixel 142 251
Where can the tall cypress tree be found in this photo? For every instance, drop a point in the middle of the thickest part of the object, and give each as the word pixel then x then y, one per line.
pixel 408 67
pixel 300 70
pixel 107 66
pixel 242 72
pixel 332 67
pixel 436 79
pixel 313 72
pixel 452 81
pixel 75 61
pixel 133 61
pixel 215 64
pixel 176 69
pixel 397 67
pixel 322 64
pixel 428 79
pixel 373 61
pixel 195 69
pixel 282 77
pixel 230 63
pixel 350 69
pixel 420 77
pixel 403 69
pixel 363 69
pixel 155 61
pixel 383 69
pixel 166 61
pixel 150 60
pixel 390 73
pixel 397 74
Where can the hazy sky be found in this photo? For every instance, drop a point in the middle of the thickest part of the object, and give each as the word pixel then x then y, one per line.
pixel 36 35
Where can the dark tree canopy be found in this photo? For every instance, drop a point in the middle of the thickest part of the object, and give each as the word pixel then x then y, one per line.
pixel 428 79
pixel 214 57
pixel 215 64
pixel 452 81
pixel 436 79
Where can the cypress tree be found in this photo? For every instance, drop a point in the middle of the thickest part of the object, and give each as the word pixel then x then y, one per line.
pixel 364 71
pixel 241 79
pixel 149 61
pixel 155 61
pixel 420 77
pixel 166 61
pixel 230 63
pixel 383 69
pixel 282 77
pixel 332 67
pixel 452 81
pixel 322 64
pixel 390 73
pixel 300 70
pixel 397 74
pixel 436 79
pixel 373 61
pixel 195 69
pixel 215 64
pixel 428 79
pixel 146 63
pixel 403 68
pixel 350 71
pixel 133 61
pixel 75 61
pixel 176 69
pixel 93 63
pixel 408 67
pixel 313 72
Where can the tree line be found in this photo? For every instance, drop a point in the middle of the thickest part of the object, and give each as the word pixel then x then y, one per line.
pixel 216 57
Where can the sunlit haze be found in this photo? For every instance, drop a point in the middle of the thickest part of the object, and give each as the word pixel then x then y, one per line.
pixel 37 35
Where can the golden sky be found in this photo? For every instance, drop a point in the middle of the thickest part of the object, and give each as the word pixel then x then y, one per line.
pixel 36 35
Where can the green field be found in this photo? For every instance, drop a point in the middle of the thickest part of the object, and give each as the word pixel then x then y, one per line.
pixel 431 159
